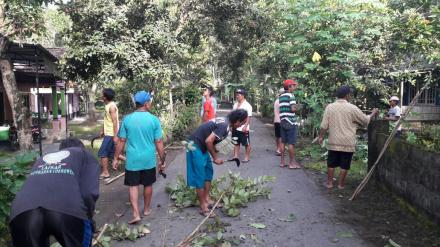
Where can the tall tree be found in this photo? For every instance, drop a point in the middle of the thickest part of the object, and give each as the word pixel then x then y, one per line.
pixel 18 20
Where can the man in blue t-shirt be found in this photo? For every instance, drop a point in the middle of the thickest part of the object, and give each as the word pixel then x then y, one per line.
pixel 201 145
pixel 141 135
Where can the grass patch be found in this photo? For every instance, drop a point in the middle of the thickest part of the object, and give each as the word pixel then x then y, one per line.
pixel 314 156
pixel 358 169
pixel 86 130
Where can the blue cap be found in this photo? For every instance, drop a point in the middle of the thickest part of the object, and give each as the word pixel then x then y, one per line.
pixel 141 97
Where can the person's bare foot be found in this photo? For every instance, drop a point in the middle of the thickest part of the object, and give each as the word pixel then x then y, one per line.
pixel 135 220
pixel 329 185
pixel 341 187
pixel 294 165
pixel 147 212
pixel 282 165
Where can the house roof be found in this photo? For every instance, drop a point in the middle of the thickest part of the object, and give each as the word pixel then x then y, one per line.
pixel 57 52
pixel 27 57
pixel 29 52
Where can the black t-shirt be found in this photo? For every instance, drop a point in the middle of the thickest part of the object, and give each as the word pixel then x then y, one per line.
pixel 220 129
pixel 66 181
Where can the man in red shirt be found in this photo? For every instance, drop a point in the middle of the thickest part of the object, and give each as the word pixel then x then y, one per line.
pixel 208 108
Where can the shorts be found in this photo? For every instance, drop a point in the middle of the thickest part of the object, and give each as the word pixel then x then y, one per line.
pixel 277 127
pixel 288 136
pixel 341 159
pixel 198 168
pixel 34 227
pixel 242 137
pixel 145 177
pixel 107 149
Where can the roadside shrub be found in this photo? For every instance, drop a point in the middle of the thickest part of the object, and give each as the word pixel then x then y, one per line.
pixel 178 126
pixel 428 138
pixel 12 176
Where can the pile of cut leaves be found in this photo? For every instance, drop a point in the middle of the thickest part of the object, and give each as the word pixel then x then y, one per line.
pixel 238 192
pixel 119 232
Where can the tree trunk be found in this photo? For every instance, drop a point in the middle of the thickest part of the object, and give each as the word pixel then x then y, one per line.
pixel 20 114
pixel 91 97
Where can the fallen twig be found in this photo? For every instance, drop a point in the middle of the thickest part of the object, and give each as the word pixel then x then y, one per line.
pixel 101 233
pixel 390 137
pixel 189 238
pixel 122 174
pixel 114 179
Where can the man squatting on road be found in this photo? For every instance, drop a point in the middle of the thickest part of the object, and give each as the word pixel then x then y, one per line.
pixel 201 144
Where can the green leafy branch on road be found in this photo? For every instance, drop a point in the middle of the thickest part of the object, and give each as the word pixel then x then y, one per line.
pixel 238 192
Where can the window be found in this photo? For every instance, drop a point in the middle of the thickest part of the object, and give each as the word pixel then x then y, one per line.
pixel 428 97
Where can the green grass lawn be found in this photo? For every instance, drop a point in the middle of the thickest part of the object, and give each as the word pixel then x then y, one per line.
pixel 313 156
pixel 85 130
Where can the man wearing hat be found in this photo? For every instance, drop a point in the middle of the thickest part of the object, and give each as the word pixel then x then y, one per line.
pixel 241 134
pixel 288 107
pixel 141 134
pixel 394 114
pixel 340 120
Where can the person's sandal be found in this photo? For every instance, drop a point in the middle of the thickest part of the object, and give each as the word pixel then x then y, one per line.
pixel 104 177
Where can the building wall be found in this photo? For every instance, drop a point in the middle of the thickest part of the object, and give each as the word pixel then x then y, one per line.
pixel 424 113
pixel 407 170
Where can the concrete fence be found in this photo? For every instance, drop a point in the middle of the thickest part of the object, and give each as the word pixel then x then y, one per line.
pixel 407 170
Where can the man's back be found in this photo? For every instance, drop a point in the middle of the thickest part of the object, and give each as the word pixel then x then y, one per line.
pixel 108 123
pixel 286 100
pixel 65 181
pixel 341 120
pixel 142 130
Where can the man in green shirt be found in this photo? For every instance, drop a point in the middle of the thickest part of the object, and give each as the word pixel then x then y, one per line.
pixel 141 134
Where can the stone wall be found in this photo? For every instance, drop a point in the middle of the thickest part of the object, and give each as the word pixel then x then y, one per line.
pixel 407 170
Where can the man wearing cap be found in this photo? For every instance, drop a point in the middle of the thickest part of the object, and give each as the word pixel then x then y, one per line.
pixel 141 134
pixel 340 120
pixel 288 107
pixel 241 134
pixel 394 114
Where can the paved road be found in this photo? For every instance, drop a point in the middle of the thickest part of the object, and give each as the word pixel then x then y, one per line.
pixel 317 223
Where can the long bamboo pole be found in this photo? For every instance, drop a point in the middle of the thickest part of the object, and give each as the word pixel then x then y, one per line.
pixel 387 143
pixel 188 239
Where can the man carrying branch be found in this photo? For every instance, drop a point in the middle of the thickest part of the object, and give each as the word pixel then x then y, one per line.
pixel 340 120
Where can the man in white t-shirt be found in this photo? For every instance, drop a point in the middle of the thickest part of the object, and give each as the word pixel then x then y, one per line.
pixel 394 114
pixel 241 134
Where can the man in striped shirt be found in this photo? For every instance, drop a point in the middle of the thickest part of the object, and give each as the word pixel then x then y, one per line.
pixel 288 122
